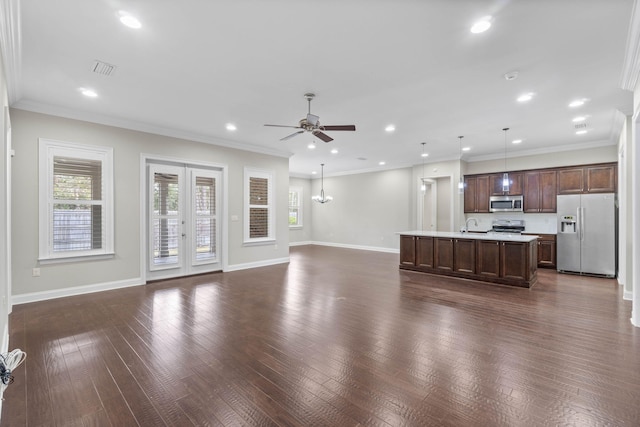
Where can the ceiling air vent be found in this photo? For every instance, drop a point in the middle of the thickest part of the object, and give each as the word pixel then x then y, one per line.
pixel 103 68
pixel 581 126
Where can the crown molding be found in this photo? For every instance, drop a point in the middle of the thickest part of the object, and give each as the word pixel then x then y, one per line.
pixel 11 47
pixel 631 67
pixel 547 150
pixel 54 110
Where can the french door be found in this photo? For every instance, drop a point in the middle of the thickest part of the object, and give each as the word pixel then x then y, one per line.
pixel 183 221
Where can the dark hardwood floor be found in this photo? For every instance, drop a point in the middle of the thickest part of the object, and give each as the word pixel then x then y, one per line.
pixel 338 337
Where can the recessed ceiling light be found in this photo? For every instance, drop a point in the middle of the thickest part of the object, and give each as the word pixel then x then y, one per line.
pixel 424 155
pixel 88 92
pixel 129 20
pixel 481 25
pixel 231 126
pixel 516 141
pixel 382 163
pixel 334 151
pixel 311 146
pixel 577 103
pixel 579 119
pixel 314 173
pixel 466 149
pixel 581 132
pixel 525 97
pixel 390 128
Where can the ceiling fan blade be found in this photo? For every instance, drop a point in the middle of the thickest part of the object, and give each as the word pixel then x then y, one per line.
pixel 284 126
pixel 339 127
pixel 291 136
pixel 322 136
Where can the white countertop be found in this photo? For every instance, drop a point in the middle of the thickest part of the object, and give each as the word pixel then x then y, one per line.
pixel 503 237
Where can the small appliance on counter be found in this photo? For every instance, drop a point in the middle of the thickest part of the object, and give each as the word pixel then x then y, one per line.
pixel 513 226
pixel 587 234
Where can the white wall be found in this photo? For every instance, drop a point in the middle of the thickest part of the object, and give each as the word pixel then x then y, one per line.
pixel 128 147
pixel 367 209
pixel 302 234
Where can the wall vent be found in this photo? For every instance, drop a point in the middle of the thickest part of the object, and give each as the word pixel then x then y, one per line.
pixel 581 126
pixel 103 68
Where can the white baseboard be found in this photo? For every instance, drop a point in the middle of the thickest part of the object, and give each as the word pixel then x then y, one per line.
pixel 627 296
pixel 307 242
pixel 265 263
pixel 77 290
pixel 360 247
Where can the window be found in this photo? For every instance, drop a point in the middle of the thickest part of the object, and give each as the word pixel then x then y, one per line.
pixel 76 200
pixel 295 207
pixel 259 221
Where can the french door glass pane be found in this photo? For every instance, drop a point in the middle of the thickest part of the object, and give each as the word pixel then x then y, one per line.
pixel 205 218
pixel 166 219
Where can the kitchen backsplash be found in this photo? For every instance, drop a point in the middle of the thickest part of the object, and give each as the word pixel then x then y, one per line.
pixel 534 223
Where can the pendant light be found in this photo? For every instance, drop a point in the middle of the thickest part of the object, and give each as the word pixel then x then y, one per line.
pixel 322 198
pixel 461 182
pixel 505 175
pixel 423 187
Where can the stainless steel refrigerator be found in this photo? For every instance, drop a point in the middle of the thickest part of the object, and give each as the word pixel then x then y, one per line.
pixel 586 240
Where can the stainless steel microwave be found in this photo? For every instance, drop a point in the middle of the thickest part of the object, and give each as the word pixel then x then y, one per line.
pixel 505 204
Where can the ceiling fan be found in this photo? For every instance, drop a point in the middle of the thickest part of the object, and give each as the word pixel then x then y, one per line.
pixel 311 123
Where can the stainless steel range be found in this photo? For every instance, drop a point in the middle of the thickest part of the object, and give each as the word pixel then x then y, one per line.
pixel 514 226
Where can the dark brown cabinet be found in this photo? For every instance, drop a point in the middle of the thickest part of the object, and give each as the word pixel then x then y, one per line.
pixel 443 254
pixel 488 258
pixel 546 250
pixel 504 262
pixel 515 184
pixel 540 191
pixel 464 253
pixel 476 194
pixel 424 251
pixel 587 179
pixel 515 261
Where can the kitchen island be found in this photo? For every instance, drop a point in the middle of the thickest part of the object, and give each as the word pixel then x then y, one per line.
pixel 507 259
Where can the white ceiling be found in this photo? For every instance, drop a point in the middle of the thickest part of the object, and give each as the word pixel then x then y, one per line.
pixel 196 65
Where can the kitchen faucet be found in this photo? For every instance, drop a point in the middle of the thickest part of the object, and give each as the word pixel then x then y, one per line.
pixel 466 225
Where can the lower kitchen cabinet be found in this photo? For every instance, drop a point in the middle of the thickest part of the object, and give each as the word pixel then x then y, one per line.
pixel 547 251
pixel 497 261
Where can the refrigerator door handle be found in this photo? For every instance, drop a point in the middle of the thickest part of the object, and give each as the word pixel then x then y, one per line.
pixel 582 215
pixel 579 225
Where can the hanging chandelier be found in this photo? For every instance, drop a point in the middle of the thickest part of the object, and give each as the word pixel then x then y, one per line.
pixel 322 198
pixel 505 175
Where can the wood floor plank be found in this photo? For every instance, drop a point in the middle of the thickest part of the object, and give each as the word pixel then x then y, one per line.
pixel 335 337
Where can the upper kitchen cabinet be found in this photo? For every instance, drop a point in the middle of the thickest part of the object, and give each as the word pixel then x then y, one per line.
pixel 476 194
pixel 540 191
pixel 587 179
pixel 515 184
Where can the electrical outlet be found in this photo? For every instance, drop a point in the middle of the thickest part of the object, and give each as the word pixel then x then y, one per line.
pixel 35 272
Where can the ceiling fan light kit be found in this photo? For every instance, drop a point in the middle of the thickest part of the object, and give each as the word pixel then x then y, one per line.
pixel 311 123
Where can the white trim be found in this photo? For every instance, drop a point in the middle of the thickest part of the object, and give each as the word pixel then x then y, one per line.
pixel 558 148
pixel 87 116
pixel 631 66
pixel 146 158
pixel 76 290
pixel 11 47
pixel 359 247
pixel 627 296
pixel 306 242
pixel 249 265
pixel 47 150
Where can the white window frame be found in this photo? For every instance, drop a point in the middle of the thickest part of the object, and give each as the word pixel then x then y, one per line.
pixel 298 206
pixel 48 149
pixel 270 206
